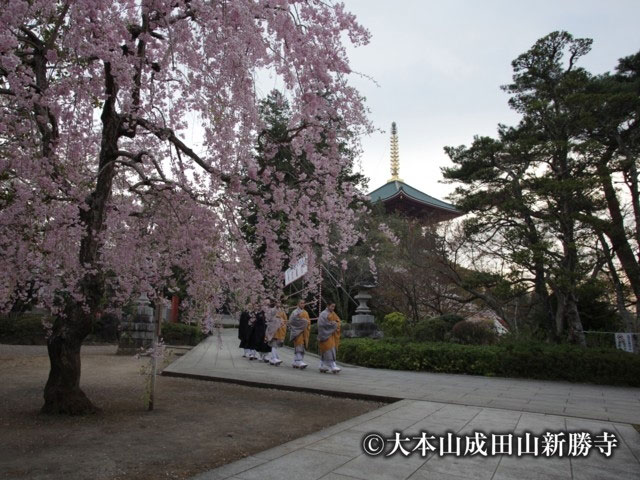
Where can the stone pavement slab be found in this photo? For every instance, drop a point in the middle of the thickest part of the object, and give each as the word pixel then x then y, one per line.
pixel 220 359
pixel 336 453
pixel 438 404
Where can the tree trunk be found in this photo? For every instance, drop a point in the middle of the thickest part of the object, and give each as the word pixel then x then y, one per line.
pixel 621 304
pixel 560 314
pixel 62 393
pixel 542 293
pixel 569 273
pixel 576 332
pixel 616 230
pixel 630 323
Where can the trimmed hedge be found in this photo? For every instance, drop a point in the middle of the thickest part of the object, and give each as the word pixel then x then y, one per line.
pixel 181 334
pixel 450 319
pixel 538 361
pixel 474 333
pixel 23 329
pixel 393 324
pixel 431 330
pixel 105 329
pixel 27 329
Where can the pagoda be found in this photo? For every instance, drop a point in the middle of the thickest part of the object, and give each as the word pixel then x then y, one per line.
pixel 399 197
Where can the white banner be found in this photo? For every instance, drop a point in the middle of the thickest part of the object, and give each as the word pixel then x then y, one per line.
pixel 624 341
pixel 296 271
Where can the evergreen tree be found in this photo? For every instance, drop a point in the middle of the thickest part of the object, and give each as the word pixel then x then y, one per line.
pixel 531 185
pixel 276 156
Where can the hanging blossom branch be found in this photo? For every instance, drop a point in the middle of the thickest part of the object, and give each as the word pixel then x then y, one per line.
pixel 61 63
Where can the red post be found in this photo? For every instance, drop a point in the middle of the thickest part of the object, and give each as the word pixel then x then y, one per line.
pixel 175 303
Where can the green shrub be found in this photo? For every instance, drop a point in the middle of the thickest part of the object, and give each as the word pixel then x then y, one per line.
pixel 27 329
pixel 600 340
pixel 394 324
pixel 537 361
pixel 105 329
pixel 22 329
pixel 450 319
pixel 181 334
pixel 431 330
pixel 474 333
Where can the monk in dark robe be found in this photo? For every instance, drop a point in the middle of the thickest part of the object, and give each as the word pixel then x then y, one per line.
pixel 245 329
pixel 257 342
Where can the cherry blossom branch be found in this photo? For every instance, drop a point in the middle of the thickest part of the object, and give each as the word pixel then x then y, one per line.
pixel 56 29
pixel 167 134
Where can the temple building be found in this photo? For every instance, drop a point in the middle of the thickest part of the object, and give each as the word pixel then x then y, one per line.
pixel 399 197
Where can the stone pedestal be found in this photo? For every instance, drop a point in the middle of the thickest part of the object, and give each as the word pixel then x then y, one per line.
pixel 362 323
pixel 136 333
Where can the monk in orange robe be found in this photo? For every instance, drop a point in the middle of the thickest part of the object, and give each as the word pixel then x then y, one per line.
pixel 300 326
pixel 328 339
pixel 276 331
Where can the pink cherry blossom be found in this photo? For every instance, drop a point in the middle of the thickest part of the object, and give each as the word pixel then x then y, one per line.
pixel 80 200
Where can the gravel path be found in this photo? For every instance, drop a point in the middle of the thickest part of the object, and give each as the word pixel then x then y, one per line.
pixel 195 427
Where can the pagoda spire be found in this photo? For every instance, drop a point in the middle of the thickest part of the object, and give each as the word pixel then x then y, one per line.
pixel 395 155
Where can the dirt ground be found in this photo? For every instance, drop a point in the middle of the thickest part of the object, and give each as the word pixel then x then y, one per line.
pixel 195 426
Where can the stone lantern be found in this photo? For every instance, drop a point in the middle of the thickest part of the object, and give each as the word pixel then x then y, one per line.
pixel 363 323
pixel 137 333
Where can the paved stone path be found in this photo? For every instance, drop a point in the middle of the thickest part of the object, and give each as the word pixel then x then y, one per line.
pixel 436 403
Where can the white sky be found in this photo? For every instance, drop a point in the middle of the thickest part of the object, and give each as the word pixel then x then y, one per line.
pixel 439 66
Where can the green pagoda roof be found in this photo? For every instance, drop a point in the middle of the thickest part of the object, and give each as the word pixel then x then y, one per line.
pixel 397 195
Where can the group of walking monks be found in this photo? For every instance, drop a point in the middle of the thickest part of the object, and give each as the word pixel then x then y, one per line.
pixel 262 333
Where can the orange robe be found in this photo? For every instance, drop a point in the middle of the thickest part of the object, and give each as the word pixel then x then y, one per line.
pixel 282 331
pixel 303 338
pixel 334 340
